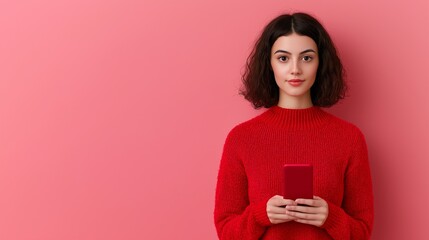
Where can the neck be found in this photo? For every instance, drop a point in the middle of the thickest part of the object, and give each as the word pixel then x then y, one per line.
pixel 295 102
pixel 296 119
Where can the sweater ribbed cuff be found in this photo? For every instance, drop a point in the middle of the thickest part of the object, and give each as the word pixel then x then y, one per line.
pixel 335 218
pixel 260 213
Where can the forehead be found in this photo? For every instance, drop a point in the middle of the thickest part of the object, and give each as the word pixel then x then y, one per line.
pixel 294 43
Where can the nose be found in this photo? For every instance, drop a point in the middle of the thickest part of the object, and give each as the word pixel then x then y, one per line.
pixel 296 68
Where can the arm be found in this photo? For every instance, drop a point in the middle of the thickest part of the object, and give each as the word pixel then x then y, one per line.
pixel 354 218
pixel 235 217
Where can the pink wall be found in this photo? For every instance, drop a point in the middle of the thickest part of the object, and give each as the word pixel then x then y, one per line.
pixel 113 113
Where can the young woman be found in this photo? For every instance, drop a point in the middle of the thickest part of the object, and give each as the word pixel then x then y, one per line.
pixel 294 70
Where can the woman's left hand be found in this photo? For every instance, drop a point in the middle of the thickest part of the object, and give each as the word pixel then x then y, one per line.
pixel 315 213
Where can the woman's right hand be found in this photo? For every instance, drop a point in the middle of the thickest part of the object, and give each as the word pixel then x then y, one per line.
pixel 276 210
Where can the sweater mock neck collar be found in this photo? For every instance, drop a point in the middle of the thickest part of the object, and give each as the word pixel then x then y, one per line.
pixel 296 119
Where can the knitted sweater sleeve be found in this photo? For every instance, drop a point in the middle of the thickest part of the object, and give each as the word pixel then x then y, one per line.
pixel 354 219
pixel 235 217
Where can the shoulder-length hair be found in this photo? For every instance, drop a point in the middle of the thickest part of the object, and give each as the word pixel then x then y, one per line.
pixel 259 85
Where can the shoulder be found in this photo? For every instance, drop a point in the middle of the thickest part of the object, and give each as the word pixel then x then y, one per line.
pixel 250 125
pixel 247 128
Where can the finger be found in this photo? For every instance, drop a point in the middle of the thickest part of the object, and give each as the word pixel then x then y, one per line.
pixel 310 202
pixel 280 217
pixel 305 216
pixel 288 202
pixel 280 201
pixel 275 209
pixel 320 200
pixel 303 209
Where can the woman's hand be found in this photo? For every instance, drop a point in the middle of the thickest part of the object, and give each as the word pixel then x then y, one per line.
pixel 276 209
pixel 315 213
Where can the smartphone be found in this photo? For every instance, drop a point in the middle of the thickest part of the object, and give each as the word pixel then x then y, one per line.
pixel 297 181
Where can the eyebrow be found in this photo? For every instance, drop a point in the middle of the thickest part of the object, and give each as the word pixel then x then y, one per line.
pixel 305 51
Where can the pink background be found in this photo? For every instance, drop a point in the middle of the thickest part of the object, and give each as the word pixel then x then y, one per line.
pixel 113 113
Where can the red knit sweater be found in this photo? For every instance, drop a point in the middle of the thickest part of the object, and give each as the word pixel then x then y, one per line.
pixel 251 167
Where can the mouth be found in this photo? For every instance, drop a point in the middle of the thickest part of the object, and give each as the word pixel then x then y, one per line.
pixel 295 82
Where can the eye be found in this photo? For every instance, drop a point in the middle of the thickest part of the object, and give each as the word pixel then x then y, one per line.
pixel 307 58
pixel 283 58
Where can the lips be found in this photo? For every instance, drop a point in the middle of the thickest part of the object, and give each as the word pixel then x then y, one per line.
pixel 295 82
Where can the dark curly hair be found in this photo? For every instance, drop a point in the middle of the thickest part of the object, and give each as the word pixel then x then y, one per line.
pixel 259 85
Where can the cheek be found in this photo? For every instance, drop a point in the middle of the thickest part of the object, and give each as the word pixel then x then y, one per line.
pixel 277 70
pixel 278 76
pixel 313 70
pixel 316 68
pixel 277 73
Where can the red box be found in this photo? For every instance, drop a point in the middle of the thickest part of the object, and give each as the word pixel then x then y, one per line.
pixel 297 181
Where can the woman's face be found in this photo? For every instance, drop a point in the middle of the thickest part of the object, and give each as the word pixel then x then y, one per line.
pixel 294 60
